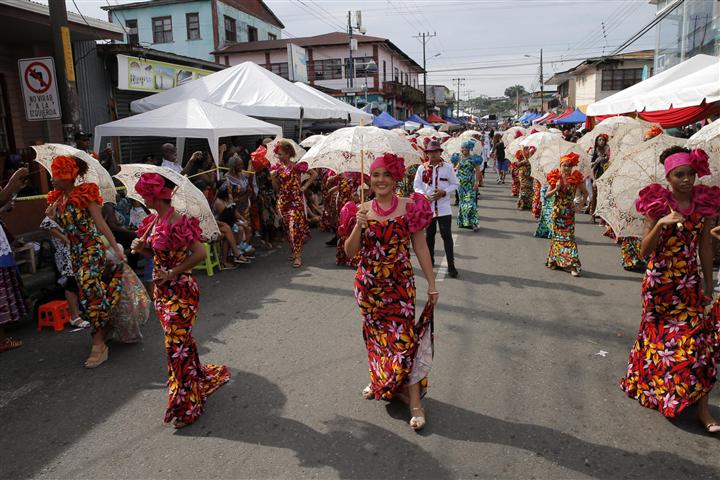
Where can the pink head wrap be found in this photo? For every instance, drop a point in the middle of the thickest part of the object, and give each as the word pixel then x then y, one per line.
pixel 151 186
pixel 696 159
pixel 392 163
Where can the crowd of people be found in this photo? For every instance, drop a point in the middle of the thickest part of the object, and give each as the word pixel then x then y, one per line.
pixel 263 198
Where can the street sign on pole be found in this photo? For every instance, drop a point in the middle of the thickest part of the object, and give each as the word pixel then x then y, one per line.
pixel 353 90
pixel 39 87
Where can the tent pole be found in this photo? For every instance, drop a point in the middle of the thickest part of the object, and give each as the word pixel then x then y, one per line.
pixel 300 130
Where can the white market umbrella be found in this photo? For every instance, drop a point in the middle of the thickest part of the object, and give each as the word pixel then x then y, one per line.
pixel 708 138
pixel 469 134
pixel 311 141
pixel 96 172
pixel 272 158
pixel 634 169
pixel 187 199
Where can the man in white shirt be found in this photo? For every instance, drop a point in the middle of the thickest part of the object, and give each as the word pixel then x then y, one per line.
pixel 437 180
pixel 170 158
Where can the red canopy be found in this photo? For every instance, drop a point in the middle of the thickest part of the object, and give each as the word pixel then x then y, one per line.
pixel 567 112
pixel 549 118
pixel 673 117
pixel 432 118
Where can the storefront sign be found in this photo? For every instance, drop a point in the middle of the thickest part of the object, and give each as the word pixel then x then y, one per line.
pixel 297 63
pixel 144 75
pixel 39 87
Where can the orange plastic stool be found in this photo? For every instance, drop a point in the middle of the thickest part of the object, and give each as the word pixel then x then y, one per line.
pixel 54 314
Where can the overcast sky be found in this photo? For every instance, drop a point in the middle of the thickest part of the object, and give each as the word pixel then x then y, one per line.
pixel 483 41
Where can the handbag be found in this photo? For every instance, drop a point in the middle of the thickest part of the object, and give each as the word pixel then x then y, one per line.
pixel 132 309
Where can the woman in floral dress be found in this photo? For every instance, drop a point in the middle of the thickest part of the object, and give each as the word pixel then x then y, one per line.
pixel 672 364
pixel 514 180
pixel 12 300
pixel 536 208
pixel 329 218
pixel 522 167
pixel 266 194
pixel 563 184
pixel 173 241
pixel 77 209
pixel 399 349
pixel 291 198
pixel 348 186
pixel 547 204
pixel 469 171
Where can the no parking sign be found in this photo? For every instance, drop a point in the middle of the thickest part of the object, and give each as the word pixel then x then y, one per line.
pixel 39 87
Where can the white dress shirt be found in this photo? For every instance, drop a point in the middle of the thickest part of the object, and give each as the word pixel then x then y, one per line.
pixel 171 165
pixel 443 178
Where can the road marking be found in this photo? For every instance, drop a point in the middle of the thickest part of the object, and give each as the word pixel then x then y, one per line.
pixel 442 266
pixel 8 396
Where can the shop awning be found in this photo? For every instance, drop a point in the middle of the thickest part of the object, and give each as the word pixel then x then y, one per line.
pixel 418 119
pixel 435 119
pixel 575 117
pixel 385 120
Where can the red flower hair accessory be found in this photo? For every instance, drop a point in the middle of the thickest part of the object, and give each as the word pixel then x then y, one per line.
pixel 571 159
pixel 604 136
pixel 518 155
pixel 392 163
pixel 64 168
pixel 276 149
pixel 653 132
pixel 151 186
pixel 259 160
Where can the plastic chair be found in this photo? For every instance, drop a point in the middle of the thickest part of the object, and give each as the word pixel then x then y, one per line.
pixel 212 259
pixel 54 314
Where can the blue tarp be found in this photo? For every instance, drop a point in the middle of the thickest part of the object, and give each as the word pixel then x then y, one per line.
pixel 456 121
pixel 576 117
pixel 534 116
pixel 418 119
pixel 385 120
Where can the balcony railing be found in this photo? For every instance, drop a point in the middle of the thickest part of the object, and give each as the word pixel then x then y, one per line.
pixel 404 93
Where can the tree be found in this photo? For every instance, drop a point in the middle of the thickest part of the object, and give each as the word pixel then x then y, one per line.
pixel 511 92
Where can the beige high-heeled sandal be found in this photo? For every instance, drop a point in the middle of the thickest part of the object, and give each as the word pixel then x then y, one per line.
pixel 97 357
pixel 417 422
pixel 367 393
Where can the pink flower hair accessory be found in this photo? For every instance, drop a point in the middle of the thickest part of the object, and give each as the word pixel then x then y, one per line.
pixel 392 163
pixel 696 159
pixel 151 186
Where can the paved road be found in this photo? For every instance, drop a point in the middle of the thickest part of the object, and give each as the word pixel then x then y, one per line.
pixel 518 387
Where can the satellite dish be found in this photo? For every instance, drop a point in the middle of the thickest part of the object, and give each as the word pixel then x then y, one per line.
pixel 362 30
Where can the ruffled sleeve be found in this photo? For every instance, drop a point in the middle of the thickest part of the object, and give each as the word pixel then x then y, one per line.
pixel 553 177
pixel 145 224
pixel 418 213
pixel 455 158
pixel 653 201
pixel 476 160
pixel 85 194
pixel 53 196
pixel 576 178
pixel 301 167
pixel 186 231
pixel 347 219
pixel 707 200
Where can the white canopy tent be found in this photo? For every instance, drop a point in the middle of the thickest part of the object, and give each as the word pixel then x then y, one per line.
pixel 687 84
pixel 249 89
pixel 355 115
pixel 187 119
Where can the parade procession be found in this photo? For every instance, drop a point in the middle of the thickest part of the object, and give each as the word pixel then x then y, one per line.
pixel 438 239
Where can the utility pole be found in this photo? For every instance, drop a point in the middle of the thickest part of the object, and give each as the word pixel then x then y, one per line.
pixel 458 83
pixel 351 69
pixel 62 53
pixel 425 37
pixel 517 101
pixel 542 85
pixel 467 101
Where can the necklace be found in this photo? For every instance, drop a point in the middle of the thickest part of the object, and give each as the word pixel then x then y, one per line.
pixel 385 213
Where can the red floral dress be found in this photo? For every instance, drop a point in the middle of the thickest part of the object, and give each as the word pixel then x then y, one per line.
pixel 515 184
pixel 176 304
pixel 536 208
pixel 673 361
pixel 348 185
pixel 399 349
pixel 525 192
pixel 329 218
pixel 291 204
pixel 563 247
pixel 99 280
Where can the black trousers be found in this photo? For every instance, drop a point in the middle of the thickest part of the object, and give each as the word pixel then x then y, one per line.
pixel 445 223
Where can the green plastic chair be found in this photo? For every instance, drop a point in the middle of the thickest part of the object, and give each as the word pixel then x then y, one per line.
pixel 212 259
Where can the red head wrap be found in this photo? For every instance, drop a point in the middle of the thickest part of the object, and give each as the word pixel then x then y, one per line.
pixel 518 134
pixel 604 136
pixel 697 160
pixel 571 159
pixel 64 168
pixel 151 186
pixel 392 163
pixel 653 132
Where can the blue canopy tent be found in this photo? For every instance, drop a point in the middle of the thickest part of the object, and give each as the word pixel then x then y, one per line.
pixel 575 117
pixel 418 119
pixel 385 120
pixel 525 117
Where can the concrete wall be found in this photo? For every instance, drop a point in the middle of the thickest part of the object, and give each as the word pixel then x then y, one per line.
pixel 180 45
pixel 243 20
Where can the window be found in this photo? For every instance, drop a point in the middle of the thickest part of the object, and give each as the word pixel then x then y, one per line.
pixel 360 64
pixel 384 71
pixel 396 77
pixel 280 69
pixel 328 69
pixel 192 21
pixel 162 30
pixel 620 79
pixel 252 34
pixel 132 32
pixel 272 36
pixel 230 29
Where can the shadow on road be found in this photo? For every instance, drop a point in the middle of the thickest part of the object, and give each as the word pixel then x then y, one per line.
pixel 250 410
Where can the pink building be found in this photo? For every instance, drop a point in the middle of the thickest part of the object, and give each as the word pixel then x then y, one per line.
pixel 394 87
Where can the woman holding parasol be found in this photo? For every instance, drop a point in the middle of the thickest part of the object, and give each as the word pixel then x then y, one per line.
pixel 672 364
pixel 522 167
pixel 173 241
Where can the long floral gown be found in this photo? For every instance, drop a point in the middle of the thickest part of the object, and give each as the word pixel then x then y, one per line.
pixel 99 280
pixel 347 187
pixel 563 248
pixel 525 197
pixel 12 301
pixel 329 218
pixel 515 183
pixel 630 253
pixel 673 362
pixel 291 204
pixel 536 200
pixel 399 349
pixel 546 209
pixel 176 305
pixel 467 212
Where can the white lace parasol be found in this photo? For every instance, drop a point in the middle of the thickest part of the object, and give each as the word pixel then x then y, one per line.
pixel 454 145
pixel 623 132
pixel 311 141
pixel 96 172
pixel 633 169
pixel 510 134
pixel 186 199
pixel 272 158
pixel 708 138
pixel 547 158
